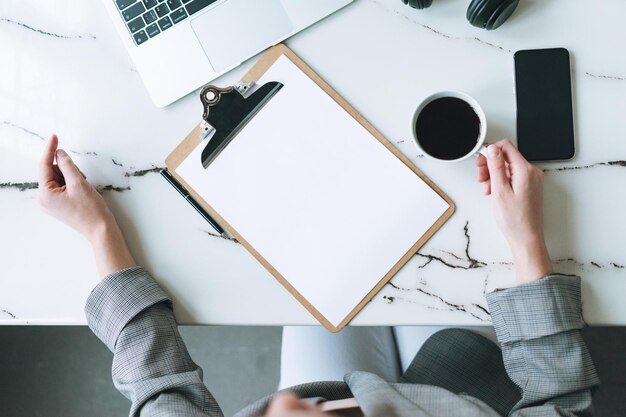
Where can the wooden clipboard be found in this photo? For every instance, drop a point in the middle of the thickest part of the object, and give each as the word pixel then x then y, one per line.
pixel 192 140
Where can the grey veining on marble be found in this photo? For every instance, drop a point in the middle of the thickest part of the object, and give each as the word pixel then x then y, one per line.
pixel 44 32
pixel 8 313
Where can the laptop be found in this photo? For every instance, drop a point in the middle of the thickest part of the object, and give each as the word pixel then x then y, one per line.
pixel 179 45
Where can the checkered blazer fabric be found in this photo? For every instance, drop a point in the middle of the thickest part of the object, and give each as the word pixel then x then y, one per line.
pixel 537 324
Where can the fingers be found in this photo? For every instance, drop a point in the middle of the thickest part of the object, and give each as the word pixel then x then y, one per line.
pixel 481 161
pixel 46 172
pixel 70 171
pixel 58 176
pixel 286 402
pixel 497 169
pixel 483 170
pixel 512 155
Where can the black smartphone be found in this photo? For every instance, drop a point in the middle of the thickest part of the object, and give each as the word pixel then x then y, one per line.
pixel 543 89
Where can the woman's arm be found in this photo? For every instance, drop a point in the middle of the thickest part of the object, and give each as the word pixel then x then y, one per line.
pixel 64 193
pixel 537 322
pixel 133 316
pixel 538 326
pixel 128 310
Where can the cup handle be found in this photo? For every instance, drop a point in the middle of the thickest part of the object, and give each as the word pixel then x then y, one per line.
pixel 482 151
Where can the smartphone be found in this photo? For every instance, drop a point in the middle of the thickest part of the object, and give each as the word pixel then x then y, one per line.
pixel 543 90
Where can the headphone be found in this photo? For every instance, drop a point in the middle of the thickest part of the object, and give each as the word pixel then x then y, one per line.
pixel 485 14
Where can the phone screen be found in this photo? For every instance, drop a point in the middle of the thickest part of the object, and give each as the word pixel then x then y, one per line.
pixel 543 87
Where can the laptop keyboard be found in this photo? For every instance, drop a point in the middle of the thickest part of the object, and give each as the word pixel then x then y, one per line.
pixel 147 18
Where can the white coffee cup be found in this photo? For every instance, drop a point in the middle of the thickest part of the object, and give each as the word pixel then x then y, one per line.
pixel 480 148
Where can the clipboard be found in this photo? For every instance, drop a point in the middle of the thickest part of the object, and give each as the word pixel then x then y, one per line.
pixel 194 139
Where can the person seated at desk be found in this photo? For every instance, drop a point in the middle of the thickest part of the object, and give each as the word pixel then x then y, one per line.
pixel 543 368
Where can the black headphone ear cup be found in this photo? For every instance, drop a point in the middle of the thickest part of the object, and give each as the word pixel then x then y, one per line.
pixel 501 14
pixel 490 14
pixel 419 4
pixel 479 10
pixel 471 11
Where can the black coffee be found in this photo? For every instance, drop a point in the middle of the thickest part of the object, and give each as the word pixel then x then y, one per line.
pixel 447 128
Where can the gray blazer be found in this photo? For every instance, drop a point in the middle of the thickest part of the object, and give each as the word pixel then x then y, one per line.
pixel 537 324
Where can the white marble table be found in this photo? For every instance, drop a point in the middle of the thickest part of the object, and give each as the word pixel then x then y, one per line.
pixel 63 70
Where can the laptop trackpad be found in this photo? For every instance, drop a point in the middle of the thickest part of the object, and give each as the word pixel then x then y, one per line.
pixel 236 29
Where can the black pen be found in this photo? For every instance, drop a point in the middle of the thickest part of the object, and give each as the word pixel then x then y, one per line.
pixel 206 216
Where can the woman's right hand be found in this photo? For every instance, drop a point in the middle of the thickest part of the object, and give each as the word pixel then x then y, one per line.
pixel 516 189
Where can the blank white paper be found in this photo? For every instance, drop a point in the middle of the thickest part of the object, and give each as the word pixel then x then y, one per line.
pixel 321 199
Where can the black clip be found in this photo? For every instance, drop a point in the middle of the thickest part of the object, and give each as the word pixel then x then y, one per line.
pixel 227 111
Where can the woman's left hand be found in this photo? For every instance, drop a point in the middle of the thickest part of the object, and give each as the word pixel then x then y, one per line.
pixel 64 193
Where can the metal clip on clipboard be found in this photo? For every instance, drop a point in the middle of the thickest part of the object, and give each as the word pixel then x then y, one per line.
pixel 227 111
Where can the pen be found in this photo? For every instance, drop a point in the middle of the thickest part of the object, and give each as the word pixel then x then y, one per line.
pixel 206 216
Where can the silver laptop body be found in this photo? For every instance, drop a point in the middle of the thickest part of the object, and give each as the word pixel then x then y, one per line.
pixel 179 45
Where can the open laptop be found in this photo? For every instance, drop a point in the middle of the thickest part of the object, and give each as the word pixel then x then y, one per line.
pixel 179 45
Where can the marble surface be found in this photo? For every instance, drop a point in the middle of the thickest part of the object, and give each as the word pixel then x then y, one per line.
pixel 63 70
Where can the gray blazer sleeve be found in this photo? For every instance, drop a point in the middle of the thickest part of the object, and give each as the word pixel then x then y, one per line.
pixel 538 325
pixel 132 315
